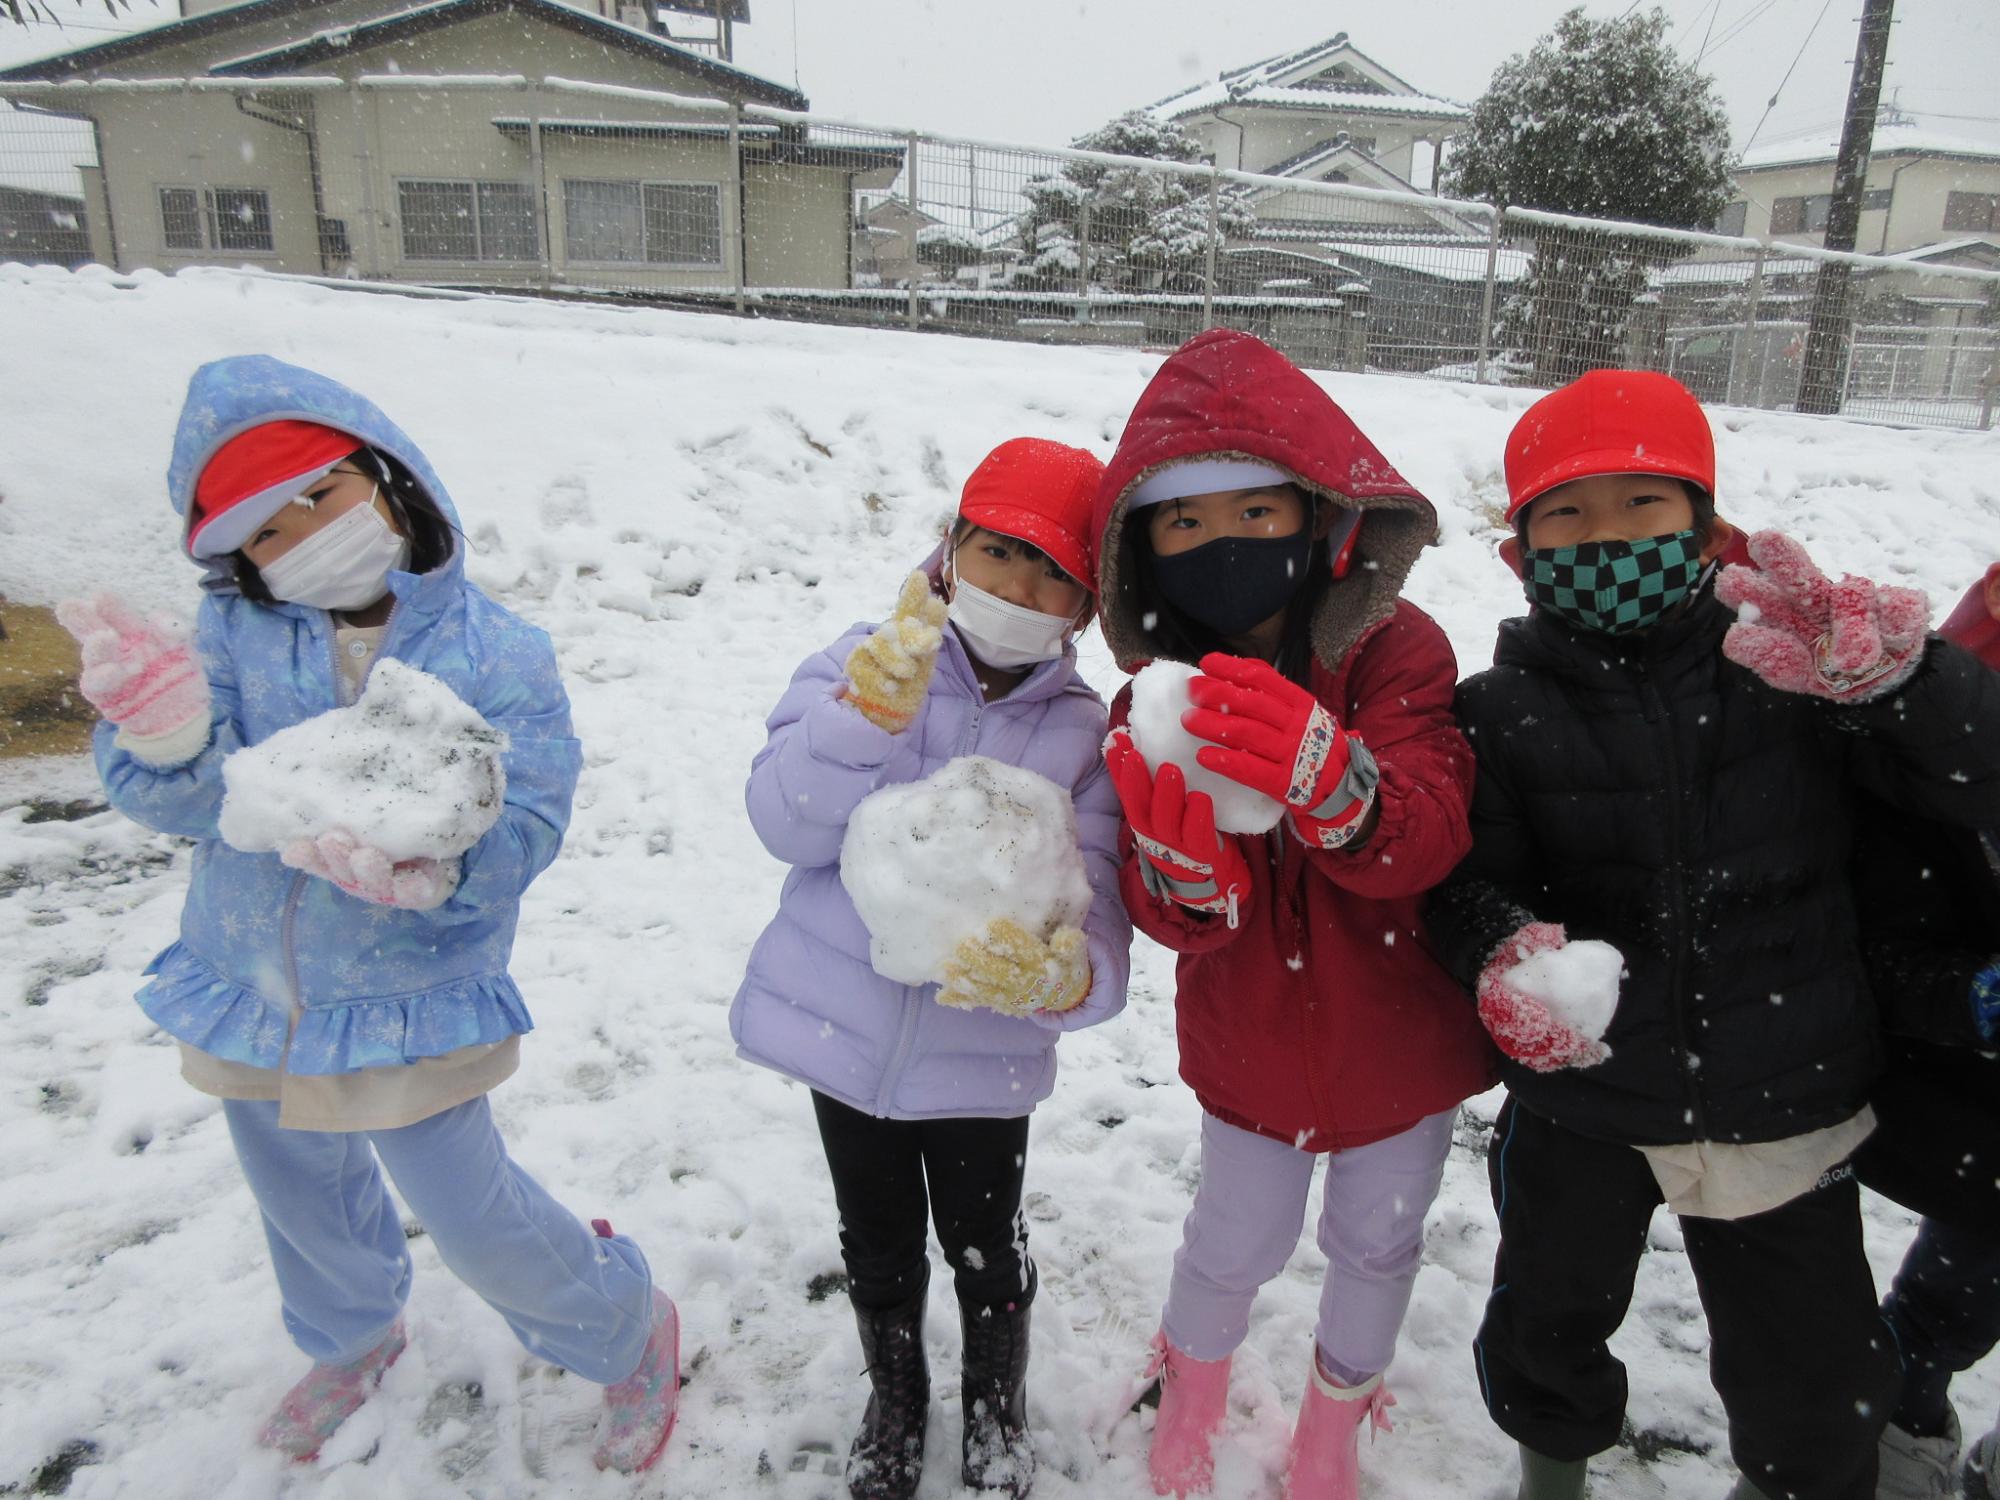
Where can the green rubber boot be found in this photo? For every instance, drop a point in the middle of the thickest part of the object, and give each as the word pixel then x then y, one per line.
pixel 1544 1478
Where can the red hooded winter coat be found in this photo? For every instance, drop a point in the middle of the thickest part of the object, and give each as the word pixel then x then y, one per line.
pixel 1321 1019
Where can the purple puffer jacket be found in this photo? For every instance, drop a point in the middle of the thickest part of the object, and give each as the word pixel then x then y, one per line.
pixel 811 1006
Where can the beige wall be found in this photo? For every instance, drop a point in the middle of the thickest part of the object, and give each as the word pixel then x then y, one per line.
pixel 1272 136
pixel 152 141
pixel 1916 212
pixel 797 227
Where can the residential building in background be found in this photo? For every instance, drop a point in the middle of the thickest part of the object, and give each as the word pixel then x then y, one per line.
pixel 520 186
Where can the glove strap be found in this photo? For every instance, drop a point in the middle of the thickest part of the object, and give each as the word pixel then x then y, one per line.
pixel 1202 893
pixel 1316 747
pixel 1335 822
pixel 1846 684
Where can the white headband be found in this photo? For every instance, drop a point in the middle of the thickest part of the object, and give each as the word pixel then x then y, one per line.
pixel 1205 476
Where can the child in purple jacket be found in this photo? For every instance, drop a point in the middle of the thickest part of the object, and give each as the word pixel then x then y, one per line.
pixel 976 660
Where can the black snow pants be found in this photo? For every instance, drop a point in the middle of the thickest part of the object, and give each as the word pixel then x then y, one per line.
pixel 1799 1354
pixel 974 1170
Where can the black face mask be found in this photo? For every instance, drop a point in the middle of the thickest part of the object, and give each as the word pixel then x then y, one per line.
pixel 1235 582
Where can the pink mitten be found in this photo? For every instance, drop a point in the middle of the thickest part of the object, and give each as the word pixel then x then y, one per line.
pixel 142 676
pixel 1522 1026
pixel 363 870
pixel 1801 632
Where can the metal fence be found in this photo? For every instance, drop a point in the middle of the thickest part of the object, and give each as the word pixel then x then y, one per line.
pixel 583 189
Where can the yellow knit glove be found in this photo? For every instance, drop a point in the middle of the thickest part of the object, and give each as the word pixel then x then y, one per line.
pixel 1008 969
pixel 889 673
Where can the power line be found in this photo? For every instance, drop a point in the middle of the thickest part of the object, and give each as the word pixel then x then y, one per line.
pixel 1788 74
pixel 1702 51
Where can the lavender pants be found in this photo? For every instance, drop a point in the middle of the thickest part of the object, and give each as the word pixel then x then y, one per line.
pixel 1245 1223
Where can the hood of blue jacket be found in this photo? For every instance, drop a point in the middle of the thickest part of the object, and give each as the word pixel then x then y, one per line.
pixel 230 396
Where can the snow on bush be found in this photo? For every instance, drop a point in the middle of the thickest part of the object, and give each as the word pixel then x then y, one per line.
pixel 1577 983
pixel 930 863
pixel 408 768
pixel 1159 698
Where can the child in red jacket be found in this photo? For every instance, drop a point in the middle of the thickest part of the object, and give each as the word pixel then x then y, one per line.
pixel 1247 526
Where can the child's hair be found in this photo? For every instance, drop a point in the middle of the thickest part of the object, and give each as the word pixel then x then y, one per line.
pixel 961 528
pixel 416 513
pixel 1176 637
pixel 1702 502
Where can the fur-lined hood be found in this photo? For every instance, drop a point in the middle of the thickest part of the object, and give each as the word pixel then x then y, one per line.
pixel 1225 394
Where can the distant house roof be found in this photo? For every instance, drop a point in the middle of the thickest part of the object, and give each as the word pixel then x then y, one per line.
pixel 1890 140
pixel 1306 79
pixel 339 41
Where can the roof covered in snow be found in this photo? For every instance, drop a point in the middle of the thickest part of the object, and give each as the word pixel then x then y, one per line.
pixel 1333 75
pixel 310 45
pixel 1891 139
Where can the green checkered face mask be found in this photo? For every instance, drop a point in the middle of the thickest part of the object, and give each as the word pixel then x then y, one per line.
pixel 1613 587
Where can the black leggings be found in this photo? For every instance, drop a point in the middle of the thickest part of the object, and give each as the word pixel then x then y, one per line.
pixel 973 1168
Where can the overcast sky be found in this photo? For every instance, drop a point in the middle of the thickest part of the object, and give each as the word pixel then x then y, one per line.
pixel 1042 71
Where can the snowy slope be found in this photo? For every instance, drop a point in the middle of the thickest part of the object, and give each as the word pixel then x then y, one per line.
pixel 690 505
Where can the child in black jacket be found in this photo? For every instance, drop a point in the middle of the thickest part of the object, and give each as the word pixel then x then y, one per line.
pixel 1929 903
pixel 1659 777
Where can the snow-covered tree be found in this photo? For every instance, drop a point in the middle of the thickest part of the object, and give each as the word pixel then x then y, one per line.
pixel 1147 230
pixel 36 12
pixel 946 248
pixel 1598 119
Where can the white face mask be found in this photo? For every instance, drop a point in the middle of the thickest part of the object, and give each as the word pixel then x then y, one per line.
pixel 1002 634
pixel 344 565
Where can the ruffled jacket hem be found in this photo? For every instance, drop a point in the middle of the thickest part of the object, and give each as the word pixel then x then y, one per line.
pixel 193 1003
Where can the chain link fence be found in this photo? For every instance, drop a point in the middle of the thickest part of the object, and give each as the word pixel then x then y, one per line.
pixel 566 188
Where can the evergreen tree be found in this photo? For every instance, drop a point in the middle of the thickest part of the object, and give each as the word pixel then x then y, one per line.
pixel 1147 230
pixel 1597 119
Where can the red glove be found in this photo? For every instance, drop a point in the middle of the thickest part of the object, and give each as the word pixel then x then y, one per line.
pixel 1802 633
pixel 1276 738
pixel 362 870
pixel 1181 857
pixel 1521 1026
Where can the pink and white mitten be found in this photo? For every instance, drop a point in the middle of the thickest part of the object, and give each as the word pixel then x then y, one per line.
pixel 143 676
pixel 1522 1026
pixel 362 870
pixel 1801 632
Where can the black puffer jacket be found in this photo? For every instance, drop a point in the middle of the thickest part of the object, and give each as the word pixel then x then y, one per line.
pixel 1648 792
pixel 1929 899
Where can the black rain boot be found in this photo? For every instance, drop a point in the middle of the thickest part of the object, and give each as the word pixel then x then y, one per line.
pixel 887 1458
pixel 998 1455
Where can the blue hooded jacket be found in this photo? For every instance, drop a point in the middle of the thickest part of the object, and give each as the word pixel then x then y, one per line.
pixel 375 986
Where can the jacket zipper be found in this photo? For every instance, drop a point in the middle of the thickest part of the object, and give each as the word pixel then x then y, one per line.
pixel 906 1035
pixel 1657 712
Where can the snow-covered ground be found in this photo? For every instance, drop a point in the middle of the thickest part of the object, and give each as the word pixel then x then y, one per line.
pixel 690 505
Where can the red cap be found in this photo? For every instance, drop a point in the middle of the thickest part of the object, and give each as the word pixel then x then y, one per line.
pixel 253 475
pixel 1609 422
pixel 1041 492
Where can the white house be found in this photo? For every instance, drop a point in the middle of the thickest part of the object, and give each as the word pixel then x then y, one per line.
pixel 1325 113
pixel 519 184
pixel 1924 187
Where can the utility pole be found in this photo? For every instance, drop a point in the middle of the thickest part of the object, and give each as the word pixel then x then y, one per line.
pixel 1822 373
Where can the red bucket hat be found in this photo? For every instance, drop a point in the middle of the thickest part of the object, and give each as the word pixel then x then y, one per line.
pixel 253 476
pixel 1041 492
pixel 1609 422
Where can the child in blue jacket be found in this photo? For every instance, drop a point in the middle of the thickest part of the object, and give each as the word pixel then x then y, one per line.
pixel 351 1010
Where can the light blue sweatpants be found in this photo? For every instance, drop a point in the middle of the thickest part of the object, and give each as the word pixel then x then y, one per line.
pixel 1245 1223
pixel 343 1268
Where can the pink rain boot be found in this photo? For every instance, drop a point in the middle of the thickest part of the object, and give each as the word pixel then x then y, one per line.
pixel 313 1410
pixel 1194 1399
pixel 1325 1464
pixel 639 1411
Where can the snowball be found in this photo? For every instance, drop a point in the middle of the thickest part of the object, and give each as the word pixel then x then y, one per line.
pixel 1577 982
pixel 1159 698
pixel 930 863
pixel 408 768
